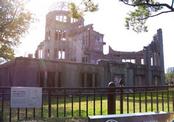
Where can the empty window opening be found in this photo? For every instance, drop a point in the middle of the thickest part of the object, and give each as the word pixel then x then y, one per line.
pixel 40 54
pixel 73 20
pixel 128 60
pixel 95 79
pixel 82 80
pixel 56 35
pixel 80 26
pixel 56 53
pixel 151 61
pixel 88 79
pixel 142 61
pixel 123 60
pixel 51 79
pixel 133 61
pixel 61 54
pixel 64 35
pixel 85 59
pixel 57 18
pixel 48 34
pixel 41 78
pixel 48 53
pixel 64 19
pixel 60 35
pixel 61 18
pixel 73 59
pixel 59 81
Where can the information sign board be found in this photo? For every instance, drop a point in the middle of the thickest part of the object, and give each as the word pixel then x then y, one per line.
pixel 26 97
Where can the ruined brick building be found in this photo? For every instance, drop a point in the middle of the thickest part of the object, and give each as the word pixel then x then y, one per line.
pixel 71 55
pixel 67 39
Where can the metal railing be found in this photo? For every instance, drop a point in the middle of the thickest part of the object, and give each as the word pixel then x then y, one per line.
pixel 82 102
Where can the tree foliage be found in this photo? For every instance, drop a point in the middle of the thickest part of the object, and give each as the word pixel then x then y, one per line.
pixel 76 11
pixel 170 77
pixel 145 9
pixel 14 22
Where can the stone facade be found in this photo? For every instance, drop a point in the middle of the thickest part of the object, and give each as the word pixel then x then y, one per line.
pixel 148 63
pixel 38 72
pixel 72 56
pixel 68 39
pixel 142 68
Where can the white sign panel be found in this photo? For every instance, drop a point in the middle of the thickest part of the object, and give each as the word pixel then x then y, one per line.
pixel 26 97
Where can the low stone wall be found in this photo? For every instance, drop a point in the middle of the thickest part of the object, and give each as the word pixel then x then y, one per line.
pixel 58 120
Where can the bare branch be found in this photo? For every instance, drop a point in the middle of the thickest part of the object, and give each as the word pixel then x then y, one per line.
pixel 145 9
pixel 126 3
pixel 150 4
pixel 163 12
pixel 172 3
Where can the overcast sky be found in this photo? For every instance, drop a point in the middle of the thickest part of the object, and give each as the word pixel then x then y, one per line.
pixel 108 20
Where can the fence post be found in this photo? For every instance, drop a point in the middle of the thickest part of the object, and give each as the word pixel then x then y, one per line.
pixel 121 99
pixel 1 120
pixel 111 98
pixel 121 95
pixel 2 106
pixel 49 102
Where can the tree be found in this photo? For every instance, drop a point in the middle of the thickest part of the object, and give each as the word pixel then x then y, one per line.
pixel 76 11
pixel 145 9
pixel 170 78
pixel 14 22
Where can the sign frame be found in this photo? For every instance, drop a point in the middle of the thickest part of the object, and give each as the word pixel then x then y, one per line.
pixel 26 97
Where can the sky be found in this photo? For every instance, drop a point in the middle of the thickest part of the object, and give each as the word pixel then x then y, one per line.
pixel 108 20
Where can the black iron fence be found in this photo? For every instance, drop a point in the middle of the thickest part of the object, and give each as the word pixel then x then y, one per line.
pixel 82 102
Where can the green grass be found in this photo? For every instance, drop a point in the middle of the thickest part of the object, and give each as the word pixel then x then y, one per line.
pixel 79 106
